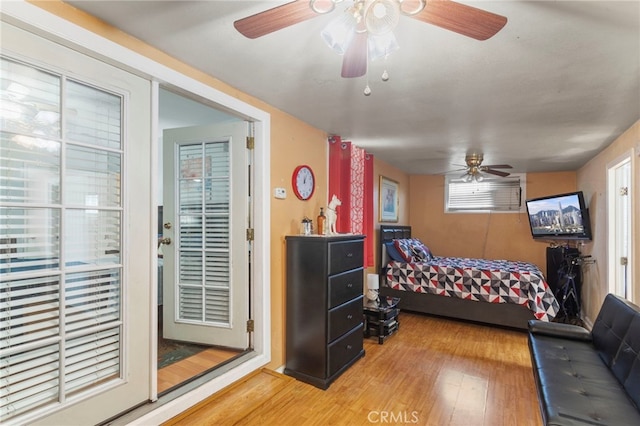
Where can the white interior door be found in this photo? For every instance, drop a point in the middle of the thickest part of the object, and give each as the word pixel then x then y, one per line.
pixel 206 216
pixel 620 216
pixel 75 344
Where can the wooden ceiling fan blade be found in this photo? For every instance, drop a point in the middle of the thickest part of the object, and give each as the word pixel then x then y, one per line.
pixel 499 166
pixel 496 172
pixel 275 19
pixel 462 19
pixel 354 63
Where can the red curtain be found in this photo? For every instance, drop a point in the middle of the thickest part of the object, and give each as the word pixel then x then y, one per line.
pixel 351 180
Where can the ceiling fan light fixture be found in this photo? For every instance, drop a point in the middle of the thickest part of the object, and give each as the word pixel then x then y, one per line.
pixel 411 7
pixel 339 32
pixel 323 6
pixel 381 16
pixel 373 19
pixel 381 46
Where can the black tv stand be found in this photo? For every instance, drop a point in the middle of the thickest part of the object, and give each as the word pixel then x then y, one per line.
pixel 565 280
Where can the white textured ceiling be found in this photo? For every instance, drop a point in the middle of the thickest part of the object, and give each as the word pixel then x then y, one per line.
pixel 559 83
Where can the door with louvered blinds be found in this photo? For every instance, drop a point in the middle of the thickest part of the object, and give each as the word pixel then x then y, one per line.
pixel 74 308
pixel 206 215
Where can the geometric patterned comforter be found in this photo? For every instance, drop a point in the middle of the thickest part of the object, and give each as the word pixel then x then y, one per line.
pixel 493 281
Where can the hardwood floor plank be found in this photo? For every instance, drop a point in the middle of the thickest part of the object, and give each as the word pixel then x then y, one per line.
pixel 432 372
pixel 234 402
pixel 183 370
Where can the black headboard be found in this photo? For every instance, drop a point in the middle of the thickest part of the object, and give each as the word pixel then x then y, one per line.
pixel 389 233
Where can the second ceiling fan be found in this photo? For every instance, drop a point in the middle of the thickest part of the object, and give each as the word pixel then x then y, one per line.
pixel 366 27
pixel 474 168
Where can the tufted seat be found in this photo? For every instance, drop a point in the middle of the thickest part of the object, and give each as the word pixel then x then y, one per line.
pixel 589 378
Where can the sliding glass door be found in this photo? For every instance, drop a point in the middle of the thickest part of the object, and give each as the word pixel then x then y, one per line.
pixel 70 213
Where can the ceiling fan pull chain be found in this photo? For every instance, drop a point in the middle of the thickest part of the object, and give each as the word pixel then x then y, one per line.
pixel 367 89
pixel 385 74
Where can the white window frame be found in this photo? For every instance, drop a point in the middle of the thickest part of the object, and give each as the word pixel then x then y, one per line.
pixel 457 179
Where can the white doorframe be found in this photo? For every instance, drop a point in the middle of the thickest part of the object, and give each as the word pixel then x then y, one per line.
pixel 615 233
pixel 155 132
pixel 31 17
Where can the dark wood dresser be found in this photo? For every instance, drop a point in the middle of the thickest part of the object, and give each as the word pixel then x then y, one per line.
pixel 324 306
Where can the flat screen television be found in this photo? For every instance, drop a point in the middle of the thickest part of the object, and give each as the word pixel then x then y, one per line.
pixel 559 217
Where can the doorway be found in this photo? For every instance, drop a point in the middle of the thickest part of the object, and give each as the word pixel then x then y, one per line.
pixel 619 210
pixel 203 183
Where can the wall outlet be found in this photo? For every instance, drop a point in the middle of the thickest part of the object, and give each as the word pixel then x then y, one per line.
pixel 280 193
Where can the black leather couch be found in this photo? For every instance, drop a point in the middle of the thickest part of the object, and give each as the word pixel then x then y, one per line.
pixel 589 378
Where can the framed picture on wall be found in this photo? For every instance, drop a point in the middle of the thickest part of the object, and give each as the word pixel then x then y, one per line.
pixel 388 200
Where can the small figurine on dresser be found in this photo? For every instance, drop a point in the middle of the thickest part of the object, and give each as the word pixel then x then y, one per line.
pixel 332 216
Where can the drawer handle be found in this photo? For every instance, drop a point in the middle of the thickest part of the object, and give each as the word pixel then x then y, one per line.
pixel 349 316
pixel 349 254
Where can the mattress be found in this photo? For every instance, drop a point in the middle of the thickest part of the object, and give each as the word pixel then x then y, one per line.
pixel 481 280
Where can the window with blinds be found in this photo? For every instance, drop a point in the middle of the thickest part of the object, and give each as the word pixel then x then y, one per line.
pixel 204 209
pixel 489 195
pixel 60 238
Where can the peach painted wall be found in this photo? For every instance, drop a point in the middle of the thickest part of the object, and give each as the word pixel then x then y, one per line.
pixel 480 235
pixel 592 180
pixel 380 168
pixel 293 142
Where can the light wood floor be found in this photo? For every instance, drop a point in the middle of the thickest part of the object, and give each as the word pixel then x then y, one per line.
pixel 432 372
pixel 183 370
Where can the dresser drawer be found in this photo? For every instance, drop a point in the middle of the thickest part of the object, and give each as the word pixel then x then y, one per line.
pixel 345 255
pixel 345 349
pixel 344 318
pixel 344 287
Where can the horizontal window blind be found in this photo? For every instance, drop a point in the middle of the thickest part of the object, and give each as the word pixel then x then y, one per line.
pixel 491 194
pixel 204 206
pixel 29 239
pixel 30 379
pixel 60 238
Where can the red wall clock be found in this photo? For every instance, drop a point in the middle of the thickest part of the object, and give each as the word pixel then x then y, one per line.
pixel 303 182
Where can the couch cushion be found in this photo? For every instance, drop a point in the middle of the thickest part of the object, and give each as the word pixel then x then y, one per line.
pixel 611 326
pixel 626 365
pixel 575 386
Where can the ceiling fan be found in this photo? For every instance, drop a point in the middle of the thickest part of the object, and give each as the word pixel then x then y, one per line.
pixel 474 169
pixel 371 24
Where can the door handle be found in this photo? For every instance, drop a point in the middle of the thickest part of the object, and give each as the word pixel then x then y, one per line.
pixel 167 225
pixel 165 241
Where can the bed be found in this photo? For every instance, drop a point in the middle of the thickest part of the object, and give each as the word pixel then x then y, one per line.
pixel 500 292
